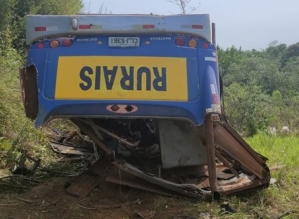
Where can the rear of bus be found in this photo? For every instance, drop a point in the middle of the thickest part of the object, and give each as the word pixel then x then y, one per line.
pixel 123 66
pixel 145 89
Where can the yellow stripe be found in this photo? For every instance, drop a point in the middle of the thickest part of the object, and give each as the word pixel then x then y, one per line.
pixel 152 78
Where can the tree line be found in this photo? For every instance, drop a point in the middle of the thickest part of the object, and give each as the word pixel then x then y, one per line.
pixel 260 87
pixel 12 18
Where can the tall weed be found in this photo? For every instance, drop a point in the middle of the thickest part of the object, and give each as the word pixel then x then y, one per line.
pixel 16 131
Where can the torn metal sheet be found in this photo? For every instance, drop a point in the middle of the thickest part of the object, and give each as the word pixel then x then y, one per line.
pixel 231 166
pixel 82 185
pixel 29 90
pixel 70 150
pixel 123 178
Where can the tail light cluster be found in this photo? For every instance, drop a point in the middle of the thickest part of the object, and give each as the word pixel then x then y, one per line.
pixel 56 43
pixel 192 43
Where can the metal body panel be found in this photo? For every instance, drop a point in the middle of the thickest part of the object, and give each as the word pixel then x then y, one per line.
pixel 41 26
pixel 201 67
pixel 180 145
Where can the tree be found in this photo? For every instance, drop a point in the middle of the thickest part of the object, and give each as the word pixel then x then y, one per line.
pixel 228 57
pixel 275 51
pixel 185 6
pixel 5 14
pixel 245 108
pixel 290 52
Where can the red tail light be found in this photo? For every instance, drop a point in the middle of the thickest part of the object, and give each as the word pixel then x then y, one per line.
pixel 40 45
pixel 205 45
pixel 180 41
pixel 67 42
pixel 114 108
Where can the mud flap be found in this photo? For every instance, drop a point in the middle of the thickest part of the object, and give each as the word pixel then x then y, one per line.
pixel 29 91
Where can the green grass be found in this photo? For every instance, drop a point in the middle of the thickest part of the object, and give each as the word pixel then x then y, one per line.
pixel 16 131
pixel 283 196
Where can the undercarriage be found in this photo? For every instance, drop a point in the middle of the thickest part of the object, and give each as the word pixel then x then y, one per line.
pixel 202 162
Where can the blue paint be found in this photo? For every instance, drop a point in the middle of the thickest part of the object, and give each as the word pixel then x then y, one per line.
pixel 201 74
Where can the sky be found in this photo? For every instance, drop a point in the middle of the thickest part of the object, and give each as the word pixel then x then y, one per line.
pixel 249 24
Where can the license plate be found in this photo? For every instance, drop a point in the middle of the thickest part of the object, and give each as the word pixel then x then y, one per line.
pixel 124 41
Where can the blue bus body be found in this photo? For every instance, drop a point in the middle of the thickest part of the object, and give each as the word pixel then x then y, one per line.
pixel 202 78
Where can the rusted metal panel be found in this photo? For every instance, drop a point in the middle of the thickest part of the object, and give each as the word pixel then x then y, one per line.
pixel 189 190
pixel 123 178
pixel 82 185
pixel 211 152
pixel 226 140
pixel 232 167
pixel 29 91
pixel 70 150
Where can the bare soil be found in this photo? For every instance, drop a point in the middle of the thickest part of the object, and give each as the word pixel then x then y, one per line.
pixel 50 200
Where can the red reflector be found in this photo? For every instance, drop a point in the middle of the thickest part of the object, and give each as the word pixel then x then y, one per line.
pixel 40 45
pixel 148 26
pixel 67 42
pixel 215 99
pixel 205 45
pixel 88 26
pixel 197 26
pixel 40 28
pixel 114 108
pixel 180 41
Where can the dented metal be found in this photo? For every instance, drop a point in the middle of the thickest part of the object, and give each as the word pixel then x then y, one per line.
pixel 223 173
pixel 29 91
pixel 156 113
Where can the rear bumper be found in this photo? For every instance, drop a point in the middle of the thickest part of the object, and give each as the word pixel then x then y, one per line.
pixel 95 109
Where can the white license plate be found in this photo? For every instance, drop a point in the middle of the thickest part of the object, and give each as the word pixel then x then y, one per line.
pixel 124 41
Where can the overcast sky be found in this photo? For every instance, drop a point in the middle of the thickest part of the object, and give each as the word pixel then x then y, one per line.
pixel 251 24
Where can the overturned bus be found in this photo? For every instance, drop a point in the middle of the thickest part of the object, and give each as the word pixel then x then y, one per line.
pixel 146 90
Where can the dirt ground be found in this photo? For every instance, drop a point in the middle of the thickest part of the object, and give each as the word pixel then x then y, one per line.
pixel 51 200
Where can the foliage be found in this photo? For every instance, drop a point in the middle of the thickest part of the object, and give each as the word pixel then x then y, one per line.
pixel 184 5
pixel 261 87
pixel 13 14
pixel 16 131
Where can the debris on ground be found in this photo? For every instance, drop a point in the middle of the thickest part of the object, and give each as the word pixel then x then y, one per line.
pixel 146 214
pixel 70 150
pixel 20 167
pixel 226 209
pixel 82 185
